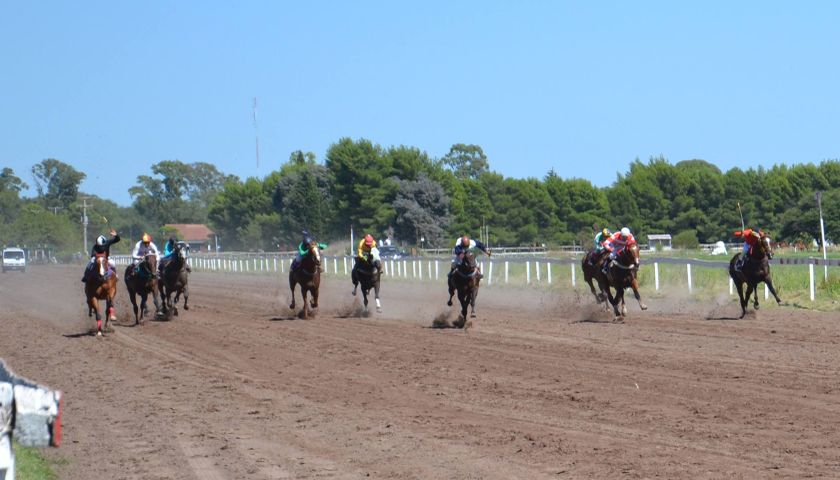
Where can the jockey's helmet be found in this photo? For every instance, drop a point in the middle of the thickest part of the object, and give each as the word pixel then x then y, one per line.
pixel 625 232
pixel 606 232
pixel 369 240
pixel 465 241
pixel 100 240
pixel 146 238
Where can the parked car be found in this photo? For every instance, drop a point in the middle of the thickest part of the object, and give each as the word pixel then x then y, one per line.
pixel 14 259
pixel 391 252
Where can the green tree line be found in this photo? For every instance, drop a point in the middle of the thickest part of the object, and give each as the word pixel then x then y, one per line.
pixel 403 192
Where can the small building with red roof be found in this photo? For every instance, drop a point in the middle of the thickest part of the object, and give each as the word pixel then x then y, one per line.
pixel 199 236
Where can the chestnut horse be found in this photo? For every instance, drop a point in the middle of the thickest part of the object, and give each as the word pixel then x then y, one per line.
pixel 465 279
pixel 141 279
pixel 308 276
pixel 756 269
pixel 621 274
pixel 101 284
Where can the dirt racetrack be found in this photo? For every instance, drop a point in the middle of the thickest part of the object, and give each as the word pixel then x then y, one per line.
pixel 538 388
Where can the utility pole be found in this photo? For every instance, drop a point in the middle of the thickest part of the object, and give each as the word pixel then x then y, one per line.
pixel 85 222
pixel 818 195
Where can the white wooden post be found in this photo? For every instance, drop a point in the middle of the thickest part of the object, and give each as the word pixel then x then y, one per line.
pixel 335 266
pixel 548 266
pixel 656 275
pixel 574 272
pixel 437 269
pixel 490 275
pixel 405 268
pixel 413 268
pixel 506 271
pixel 528 271
pixel 345 266
pixel 731 286
pixel 420 269
pixel 430 269
pixel 766 292
pixel 255 264
pixel 537 264
pixel 688 268
pixel 811 277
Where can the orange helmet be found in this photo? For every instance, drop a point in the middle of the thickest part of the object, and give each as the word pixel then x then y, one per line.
pixel 147 238
pixel 465 241
pixel 368 240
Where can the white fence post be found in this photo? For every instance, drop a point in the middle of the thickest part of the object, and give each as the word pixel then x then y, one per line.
pixel 574 274
pixel 345 266
pixel 335 266
pixel 420 269
pixel 688 269
pixel 766 292
pixel 275 264
pixel 811 278
pixel 731 286
pixel 413 268
pixel 548 266
pixel 537 264
pixel 430 269
pixel 405 268
pixel 506 271
pixel 656 275
pixel 528 272
pixel 490 275
pixel 437 264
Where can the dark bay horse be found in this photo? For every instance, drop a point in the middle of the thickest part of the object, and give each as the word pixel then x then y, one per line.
pixel 175 279
pixel 465 280
pixel 101 284
pixel 621 274
pixel 756 269
pixel 368 273
pixel 308 276
pixel 141 280
pixel 591 265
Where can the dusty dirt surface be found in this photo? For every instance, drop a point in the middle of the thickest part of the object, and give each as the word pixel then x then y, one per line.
pixel 539 387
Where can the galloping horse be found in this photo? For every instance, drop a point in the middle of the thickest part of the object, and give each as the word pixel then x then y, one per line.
pixel 465 279
pixel 141 280
pixel 756 269
pixel 593 271
pixel 368 273
pixel 621 274
pixel 308 276
pixel 101 284
pixel 174 279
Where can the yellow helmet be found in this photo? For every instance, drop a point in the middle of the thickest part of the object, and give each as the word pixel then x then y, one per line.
pixel 606 232
pixel 146 238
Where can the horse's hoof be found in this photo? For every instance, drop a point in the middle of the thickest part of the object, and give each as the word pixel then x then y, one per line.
pixel 186 307
pixel 472 315
pixel 99 333
pixel 175 312
pixel 292 306
pixel 449 303
pixel 644 307
pixel 378 310
pixel 353 292
pixel 756 306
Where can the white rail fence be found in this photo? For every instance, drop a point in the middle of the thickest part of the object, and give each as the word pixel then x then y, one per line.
pixel 519 271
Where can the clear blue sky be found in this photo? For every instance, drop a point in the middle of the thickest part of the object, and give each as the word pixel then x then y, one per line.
pixel 581 87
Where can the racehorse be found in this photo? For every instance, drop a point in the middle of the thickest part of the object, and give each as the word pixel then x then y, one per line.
pixel 175 279
pixel 368 273
pixel 141 280
pixel 621 274
pixel 756 269
pixel 591 266
pixel 308 276
pixel 465 279
pixel 101 284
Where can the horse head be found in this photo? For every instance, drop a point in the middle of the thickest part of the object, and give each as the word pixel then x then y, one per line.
pixel 764 245
pixel 467 264
pixel 315 252
pixel 102 265
pixel 149 263
pixel 629 256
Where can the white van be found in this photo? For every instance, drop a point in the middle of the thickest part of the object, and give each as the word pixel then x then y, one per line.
pixel 14 259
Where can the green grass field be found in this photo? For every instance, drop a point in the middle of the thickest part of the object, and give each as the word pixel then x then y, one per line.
pixel 30 464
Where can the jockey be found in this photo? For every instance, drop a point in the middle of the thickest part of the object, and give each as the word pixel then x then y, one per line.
pixel 303 249
pixel 618 242
pixel 365 253
pixel 600 247
pixel 168 250
pixel 142 248
pixel 102 246
pixel 751 239
pixel 365 246
pixel 462 246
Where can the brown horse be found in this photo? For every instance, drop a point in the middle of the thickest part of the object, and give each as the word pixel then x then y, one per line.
pixel 756 269
pixel 308 276
pixel 175 279
pixel 591 266
pixel 101 284
pixel 465 279
pixel 141 279
pixel 621 274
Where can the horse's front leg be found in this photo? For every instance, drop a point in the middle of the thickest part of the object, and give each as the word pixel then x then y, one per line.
pixel 748 294
pixel 588 279
pixel 93 305
pixel 376 293
pixel 131 296
pixel 769 282
pixel 739 286
pixel 155 299
pixel 451 292
pixel 186 297
pixel 305 310
pixel 635 286
pixel 473 296
pixel 292 288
